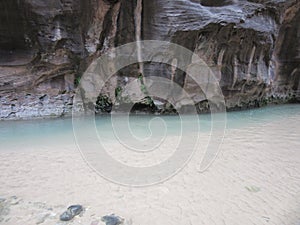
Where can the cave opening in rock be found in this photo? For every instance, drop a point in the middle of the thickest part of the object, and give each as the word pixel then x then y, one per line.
pixel 12 29
pixel 16 46
pixel 142 107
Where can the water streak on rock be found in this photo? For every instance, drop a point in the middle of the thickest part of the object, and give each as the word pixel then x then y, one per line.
pixel 138 32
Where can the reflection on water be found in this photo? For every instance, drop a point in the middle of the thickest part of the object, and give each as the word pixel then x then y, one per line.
pixel 35 133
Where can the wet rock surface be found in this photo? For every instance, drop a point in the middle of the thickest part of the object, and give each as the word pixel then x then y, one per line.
pixel 45 46
pixel 112 220
pixel 72 211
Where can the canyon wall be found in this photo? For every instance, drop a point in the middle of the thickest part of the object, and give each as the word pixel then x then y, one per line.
pixel 253 48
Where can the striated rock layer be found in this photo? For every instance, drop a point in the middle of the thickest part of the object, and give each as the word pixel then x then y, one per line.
pixel 253 47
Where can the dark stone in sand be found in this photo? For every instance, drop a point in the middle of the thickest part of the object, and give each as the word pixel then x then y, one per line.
pixel 112 220
pixel 71 212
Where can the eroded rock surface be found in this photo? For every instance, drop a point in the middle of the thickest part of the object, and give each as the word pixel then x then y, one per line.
pixel 252 46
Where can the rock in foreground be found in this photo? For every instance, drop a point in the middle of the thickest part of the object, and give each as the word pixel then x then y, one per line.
pixel 112 220
pixel 71 212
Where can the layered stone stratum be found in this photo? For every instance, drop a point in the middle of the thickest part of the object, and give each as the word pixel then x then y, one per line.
pixel 252 46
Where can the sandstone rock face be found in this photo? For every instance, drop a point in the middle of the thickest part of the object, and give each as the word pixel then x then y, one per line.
pixel 44 47
pixel 253 47
pixel 245 43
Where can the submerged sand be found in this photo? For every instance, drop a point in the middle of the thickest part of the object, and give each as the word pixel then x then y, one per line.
pixel 254 180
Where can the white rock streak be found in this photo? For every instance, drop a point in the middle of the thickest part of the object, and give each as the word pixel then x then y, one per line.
pixel 251 61
pixel 138 31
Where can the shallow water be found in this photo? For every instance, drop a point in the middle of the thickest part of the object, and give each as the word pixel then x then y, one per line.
pixel 254 180
pixel 26 134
